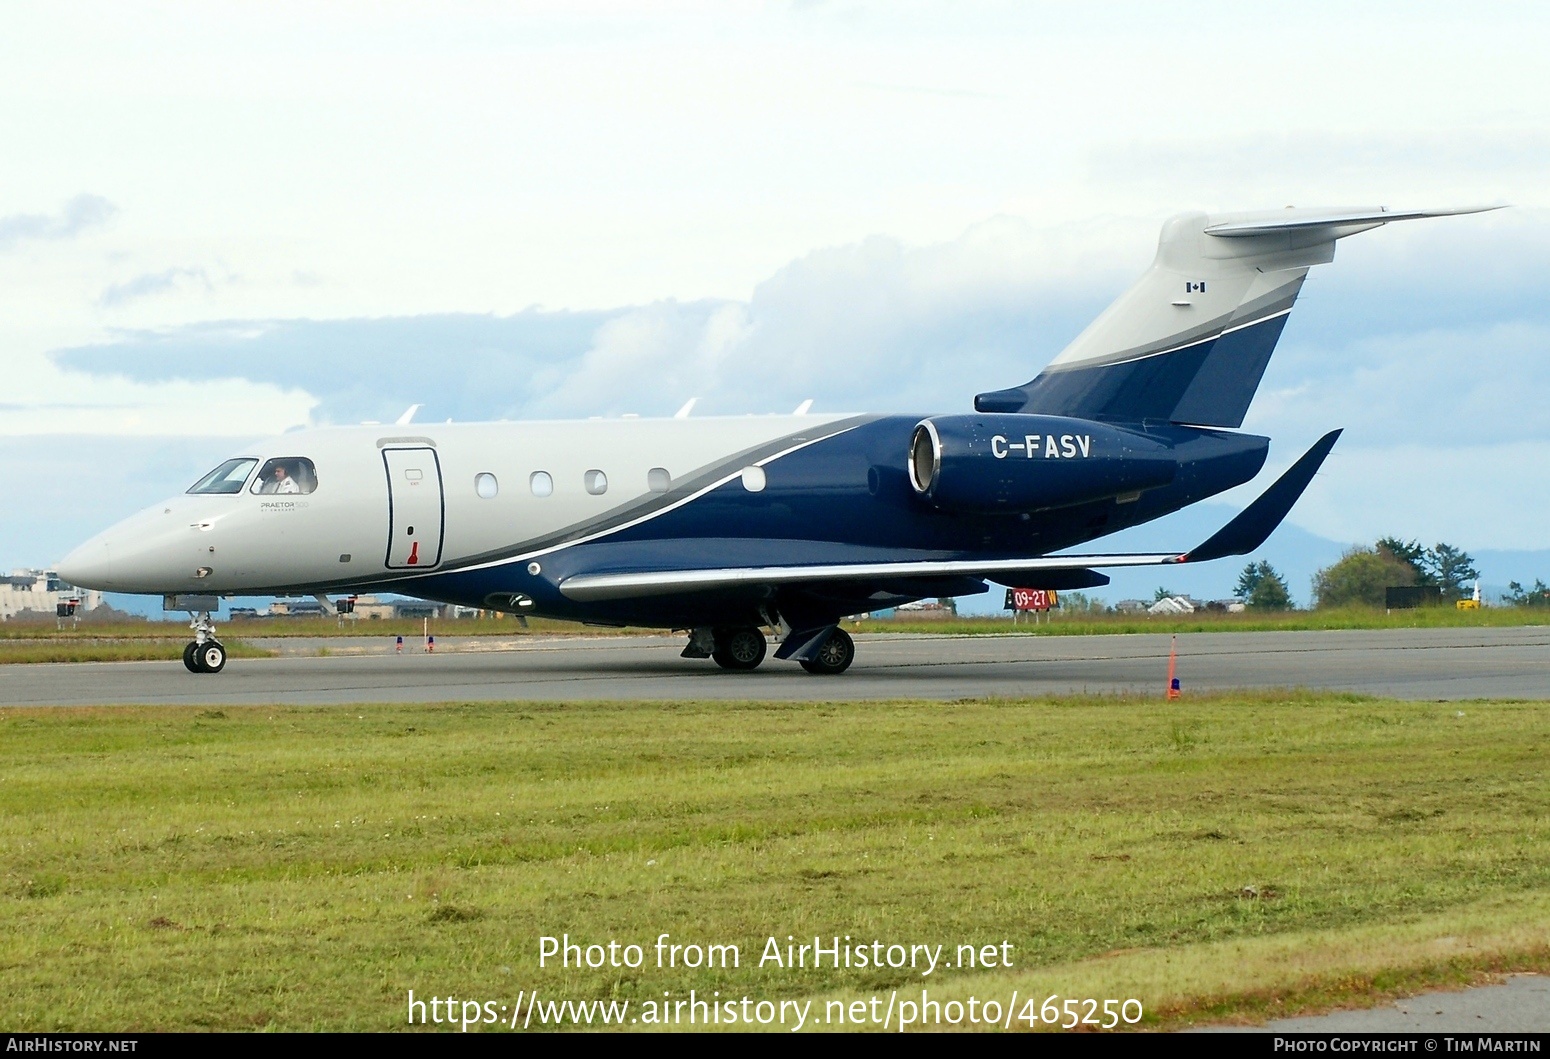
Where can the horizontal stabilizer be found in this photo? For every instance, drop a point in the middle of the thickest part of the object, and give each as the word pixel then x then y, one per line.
pixel 1256 522
pixel 1301 220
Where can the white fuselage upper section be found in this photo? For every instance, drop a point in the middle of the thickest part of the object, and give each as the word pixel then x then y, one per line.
pixel 391 501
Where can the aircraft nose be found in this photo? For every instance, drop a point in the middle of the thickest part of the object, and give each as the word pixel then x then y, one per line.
pixel 89 566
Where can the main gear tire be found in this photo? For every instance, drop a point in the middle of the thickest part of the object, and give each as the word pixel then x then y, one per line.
pixel 739 649
pixel 834 657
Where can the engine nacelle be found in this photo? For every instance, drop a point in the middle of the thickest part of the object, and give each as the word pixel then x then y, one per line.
pixel 1013 462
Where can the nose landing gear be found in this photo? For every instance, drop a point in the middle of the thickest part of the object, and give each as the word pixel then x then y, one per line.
pixel 205 654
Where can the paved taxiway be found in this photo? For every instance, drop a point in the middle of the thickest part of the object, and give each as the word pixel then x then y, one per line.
pixel 1410 664
pixel 1519 1005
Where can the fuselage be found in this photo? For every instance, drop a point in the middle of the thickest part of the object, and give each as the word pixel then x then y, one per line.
pixel 482 514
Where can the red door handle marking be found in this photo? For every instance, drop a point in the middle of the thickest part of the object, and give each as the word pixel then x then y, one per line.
pixel 414 553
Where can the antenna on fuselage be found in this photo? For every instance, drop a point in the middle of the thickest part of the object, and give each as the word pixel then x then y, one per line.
pixel 408 416
pixel 683 413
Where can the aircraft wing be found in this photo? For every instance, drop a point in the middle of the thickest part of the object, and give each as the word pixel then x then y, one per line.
pixel 588 587
pixel 1243 534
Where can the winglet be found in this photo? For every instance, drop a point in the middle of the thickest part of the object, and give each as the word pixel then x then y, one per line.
pixel 1256 522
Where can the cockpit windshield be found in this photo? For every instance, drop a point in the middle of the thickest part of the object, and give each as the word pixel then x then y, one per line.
pixel 227 478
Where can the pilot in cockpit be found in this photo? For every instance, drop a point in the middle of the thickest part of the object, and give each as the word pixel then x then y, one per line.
pixel 283 482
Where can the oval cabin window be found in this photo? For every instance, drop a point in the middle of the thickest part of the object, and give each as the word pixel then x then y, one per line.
pixel 486 485
pixel 541 483
pixel 658 480
pixel 753 479
pixel 596 482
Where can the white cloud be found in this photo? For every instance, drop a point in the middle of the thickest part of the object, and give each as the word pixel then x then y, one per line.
pixel 76 216
pixel 152 283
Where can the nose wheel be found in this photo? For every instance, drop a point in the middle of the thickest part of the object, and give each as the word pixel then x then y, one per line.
pixel 207 657
pixel 205 654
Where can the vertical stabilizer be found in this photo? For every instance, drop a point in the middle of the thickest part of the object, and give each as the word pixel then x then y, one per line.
pixel 1189 342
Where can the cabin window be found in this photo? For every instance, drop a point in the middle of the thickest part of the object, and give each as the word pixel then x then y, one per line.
pixel 753 479
pixel 286 475
pixel 486 485
pixel 596 482
pixel 227 478
pixel 541 483
pixel 658 480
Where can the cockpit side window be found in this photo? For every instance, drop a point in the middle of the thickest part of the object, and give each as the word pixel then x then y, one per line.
pixel 227 478
pixel 286 475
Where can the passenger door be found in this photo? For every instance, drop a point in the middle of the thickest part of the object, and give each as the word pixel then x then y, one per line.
pixel 416 508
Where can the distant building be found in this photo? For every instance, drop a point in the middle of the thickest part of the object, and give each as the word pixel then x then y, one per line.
pixel 38 593
pixel 367 607
pixel 924 611
pixel 296 608
pixel 1175 605
pixel 1131 606
pixel 375 608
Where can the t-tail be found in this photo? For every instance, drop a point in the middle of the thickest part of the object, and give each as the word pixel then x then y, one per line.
pixel 1189 342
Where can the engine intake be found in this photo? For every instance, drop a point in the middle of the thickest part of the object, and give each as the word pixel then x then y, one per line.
pixel 1013 462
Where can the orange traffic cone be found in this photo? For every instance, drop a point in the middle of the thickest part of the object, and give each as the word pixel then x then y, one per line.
pixel 1173 663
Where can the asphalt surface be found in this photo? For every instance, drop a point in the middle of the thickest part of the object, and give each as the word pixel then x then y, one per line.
pixel 1422 664
pixel 1521 1005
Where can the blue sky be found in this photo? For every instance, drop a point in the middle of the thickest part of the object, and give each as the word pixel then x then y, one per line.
pixel 221 222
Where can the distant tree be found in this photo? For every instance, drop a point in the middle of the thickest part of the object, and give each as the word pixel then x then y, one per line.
pixel 1249 580
pixel 1162 593
pixel 1261 587
pixel 1359 578
pixel 1411 554
pixel 951 603
pixel 1451 569
pixel 1538 596
pixel 1270 593
pixel 1081 603
pixel 108 615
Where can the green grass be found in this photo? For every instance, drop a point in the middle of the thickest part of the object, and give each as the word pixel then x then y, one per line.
pixel 169 868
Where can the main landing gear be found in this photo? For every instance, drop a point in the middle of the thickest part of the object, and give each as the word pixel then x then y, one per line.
pixel 742 648
pixel 833 656
pixel 205 654
pixel 739 648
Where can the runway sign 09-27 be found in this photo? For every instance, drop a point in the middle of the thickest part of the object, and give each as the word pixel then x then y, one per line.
pixel 1031 599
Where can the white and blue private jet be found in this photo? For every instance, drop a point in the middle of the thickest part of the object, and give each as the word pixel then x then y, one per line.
pixel 729 526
